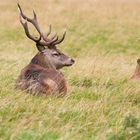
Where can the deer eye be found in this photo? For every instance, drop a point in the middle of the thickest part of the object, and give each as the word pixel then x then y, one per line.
pixel 55 54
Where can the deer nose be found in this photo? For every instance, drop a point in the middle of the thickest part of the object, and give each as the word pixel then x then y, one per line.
pixel 72 60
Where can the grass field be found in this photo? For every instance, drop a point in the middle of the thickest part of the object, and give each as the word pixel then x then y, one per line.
pixel 102 103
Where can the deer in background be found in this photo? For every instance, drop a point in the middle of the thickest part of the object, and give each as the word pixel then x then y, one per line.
pixel 136 74
pixel 42 75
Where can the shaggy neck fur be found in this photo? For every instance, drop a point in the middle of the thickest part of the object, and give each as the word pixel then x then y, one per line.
pixel 40 59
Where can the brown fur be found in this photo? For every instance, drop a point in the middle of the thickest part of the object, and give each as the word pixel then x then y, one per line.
pixel 136 74
pixel 40 78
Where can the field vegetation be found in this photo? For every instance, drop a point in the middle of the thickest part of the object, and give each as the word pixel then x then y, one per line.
pixel 102 103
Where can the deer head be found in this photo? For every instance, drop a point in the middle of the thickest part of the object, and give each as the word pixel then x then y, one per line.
pixel 48 53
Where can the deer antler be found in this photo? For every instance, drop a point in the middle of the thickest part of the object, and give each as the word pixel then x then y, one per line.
pixel 46 41
pixel 25 26
pixel 60 40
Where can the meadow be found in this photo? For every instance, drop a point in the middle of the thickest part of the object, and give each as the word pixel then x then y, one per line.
pixel 102 102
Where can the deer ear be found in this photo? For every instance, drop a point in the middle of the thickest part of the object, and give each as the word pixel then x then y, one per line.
pixel 40 48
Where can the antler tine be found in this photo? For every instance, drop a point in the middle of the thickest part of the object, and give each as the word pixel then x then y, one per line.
pixel 25 26
pixel 53 40
pixel 60 40
pixel 22 14
pixel 50 29
pixel 53 37
pixel 33 21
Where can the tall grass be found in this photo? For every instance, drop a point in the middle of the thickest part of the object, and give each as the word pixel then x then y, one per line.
pixel 102 103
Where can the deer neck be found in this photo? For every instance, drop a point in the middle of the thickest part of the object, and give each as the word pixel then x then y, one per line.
pixel 40 60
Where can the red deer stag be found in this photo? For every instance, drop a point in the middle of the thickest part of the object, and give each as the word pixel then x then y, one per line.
pixel 42 75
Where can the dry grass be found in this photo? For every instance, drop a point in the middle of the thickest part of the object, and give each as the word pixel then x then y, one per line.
pixel 102 104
